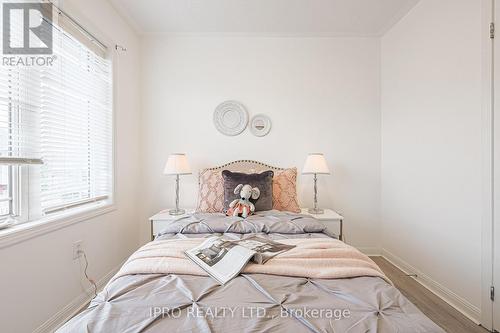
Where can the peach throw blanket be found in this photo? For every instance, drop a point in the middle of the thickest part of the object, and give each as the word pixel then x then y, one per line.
pixel 311 258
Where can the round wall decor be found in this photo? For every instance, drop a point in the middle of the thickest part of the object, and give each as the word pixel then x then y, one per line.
pixel 230 118
pixel 260 125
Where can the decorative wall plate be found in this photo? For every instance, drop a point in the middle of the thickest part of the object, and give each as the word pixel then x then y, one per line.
pixel 260 125
pixel 230 118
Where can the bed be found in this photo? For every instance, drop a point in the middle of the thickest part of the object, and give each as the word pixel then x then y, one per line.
pixel 322 285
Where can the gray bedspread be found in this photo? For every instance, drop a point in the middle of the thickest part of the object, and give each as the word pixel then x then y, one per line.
pixel 250 302
pixel 270 224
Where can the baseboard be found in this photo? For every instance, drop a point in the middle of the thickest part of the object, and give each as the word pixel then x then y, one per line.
pixel 459 303
pixel 75 306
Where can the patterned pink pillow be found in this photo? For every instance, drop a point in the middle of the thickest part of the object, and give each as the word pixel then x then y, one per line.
pixel 211 192
pixel 285 190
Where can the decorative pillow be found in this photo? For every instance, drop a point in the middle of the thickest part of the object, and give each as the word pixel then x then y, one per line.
pixel 211 192
pixel 263 181
pixel 285 190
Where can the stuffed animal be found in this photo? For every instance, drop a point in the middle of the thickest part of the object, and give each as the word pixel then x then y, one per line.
pixel 243 207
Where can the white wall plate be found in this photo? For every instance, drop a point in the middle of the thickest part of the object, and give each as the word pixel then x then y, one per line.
pixel 260 125
pixel 230 118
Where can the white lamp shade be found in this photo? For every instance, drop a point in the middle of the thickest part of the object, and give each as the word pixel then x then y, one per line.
pixel 315 163
pixel 177 164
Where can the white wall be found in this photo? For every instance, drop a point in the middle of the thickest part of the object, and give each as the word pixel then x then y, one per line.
pixel 322 94
pixel 431 146
pixel 38 277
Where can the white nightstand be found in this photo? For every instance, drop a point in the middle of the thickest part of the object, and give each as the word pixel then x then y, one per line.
pixel 328 218
pixel 162 219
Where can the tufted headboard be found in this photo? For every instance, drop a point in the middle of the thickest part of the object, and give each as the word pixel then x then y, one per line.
pixel 246 166
pixel 211 185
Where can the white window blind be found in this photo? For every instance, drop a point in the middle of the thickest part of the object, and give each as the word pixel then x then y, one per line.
pixel 76 124
pixel 61 114
pixel 19 121
pixel 19 104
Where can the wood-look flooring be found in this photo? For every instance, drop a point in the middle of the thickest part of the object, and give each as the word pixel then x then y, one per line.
pixel 431 305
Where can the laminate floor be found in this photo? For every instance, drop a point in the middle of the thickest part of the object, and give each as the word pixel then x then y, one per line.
pixel 431 305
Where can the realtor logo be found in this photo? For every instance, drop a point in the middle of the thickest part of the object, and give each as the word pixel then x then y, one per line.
pixel 27 28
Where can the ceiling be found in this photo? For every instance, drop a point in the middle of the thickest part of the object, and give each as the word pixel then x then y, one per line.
pixel 264 17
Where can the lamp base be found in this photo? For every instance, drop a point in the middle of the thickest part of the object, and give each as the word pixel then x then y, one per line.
pixel 177 211
pixel 315 211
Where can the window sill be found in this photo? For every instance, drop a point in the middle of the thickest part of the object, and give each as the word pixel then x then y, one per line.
pixel 24 231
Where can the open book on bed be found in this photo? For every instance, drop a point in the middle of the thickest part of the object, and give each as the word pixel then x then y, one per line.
pixel 224 259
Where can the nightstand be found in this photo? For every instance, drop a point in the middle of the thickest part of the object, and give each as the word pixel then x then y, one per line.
pixel 329 217
pixel 160 220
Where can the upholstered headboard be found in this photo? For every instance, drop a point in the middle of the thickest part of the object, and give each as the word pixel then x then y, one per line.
pixel 211 193
pixel 246 166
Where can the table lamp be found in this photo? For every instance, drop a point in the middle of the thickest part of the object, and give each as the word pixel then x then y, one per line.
pixel 315 164
pixel 177 164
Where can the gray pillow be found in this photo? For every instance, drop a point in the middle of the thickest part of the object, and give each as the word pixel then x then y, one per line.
pixel 264 181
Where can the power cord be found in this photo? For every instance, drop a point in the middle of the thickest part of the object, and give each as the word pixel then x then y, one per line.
pixel 91 281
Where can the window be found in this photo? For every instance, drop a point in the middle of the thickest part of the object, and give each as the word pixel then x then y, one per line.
pixel 5 196
pixel 75 131
pixel 59 115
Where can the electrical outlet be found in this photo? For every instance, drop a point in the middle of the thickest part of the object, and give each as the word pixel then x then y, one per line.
pixel 77 247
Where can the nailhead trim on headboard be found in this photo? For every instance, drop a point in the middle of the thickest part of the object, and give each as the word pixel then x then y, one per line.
pixel 243 162
pixel 241 166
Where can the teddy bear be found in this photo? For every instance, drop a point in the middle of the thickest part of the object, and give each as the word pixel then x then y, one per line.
pixel 242 206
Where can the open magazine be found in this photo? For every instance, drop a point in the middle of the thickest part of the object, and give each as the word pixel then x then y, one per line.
pixel 224 259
